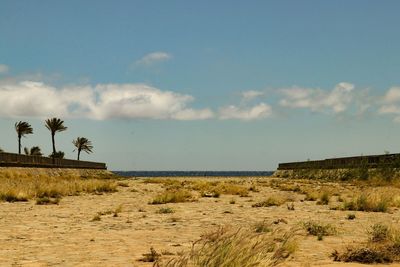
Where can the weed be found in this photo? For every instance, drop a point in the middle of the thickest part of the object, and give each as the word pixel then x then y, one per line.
pixel 230 247
pixel 123 184
pixel 165 210
pixel 324 199
pixel 47 201
pixel 378 232
pixel 150 257
pixel 351 216
pixel 383 246
pixel 367 202
pixel 319 229
pixel 262 227
pixel 96 218
pixel 173 197
pixel 271 201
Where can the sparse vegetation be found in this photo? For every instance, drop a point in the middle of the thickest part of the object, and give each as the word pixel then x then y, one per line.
pixel 22 187
pixel 173 197
pixel 319 229
pixel 165 210
pixel 271 201
pixel 351 216
pixel 368 202
pixel 383 246
pixel 228 247
pixel 47 201
pixel 262 227
pixel 150 257
pixel 324 199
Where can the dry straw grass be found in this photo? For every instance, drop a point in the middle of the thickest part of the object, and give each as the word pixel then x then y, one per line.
pixel 382 246
pixel 24 186
pixel 175 196
pixel 238 248
pixel 206 188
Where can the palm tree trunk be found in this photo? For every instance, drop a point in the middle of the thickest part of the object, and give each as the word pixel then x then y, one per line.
pixel 54 144
pixel 79 153
pixel 54 148
pixel 19 144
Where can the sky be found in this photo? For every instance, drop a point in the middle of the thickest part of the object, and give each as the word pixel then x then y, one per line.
pixel 203 85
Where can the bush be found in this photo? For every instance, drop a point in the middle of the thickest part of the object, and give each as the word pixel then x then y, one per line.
pixel 165 210
pixel 318 229
pixel 47 201
pixel 173 197
pixel 271 201
pixel 230 247
pixel 383 246
pixel 368 202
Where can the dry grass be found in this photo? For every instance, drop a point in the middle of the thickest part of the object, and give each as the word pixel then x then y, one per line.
pixel 22 187
pixel 319 229
pixel 175 196
pixel 275 200
pixel 375 202
pixel 238 248
pixel 217 188
pixel 383 246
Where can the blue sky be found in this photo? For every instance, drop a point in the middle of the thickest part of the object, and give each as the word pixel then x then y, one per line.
pixel 206 85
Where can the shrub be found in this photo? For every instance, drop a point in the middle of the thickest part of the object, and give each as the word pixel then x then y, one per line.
pixel 12 196
pixel 383 246
pixel 96 218
pixel 165 210
pixel 318 229
pixel 271 201
pixel 173 197
pixel 150 257
pixel 324 199
pixel 262 227
pixel 47 201
pixel 230 247
pixel 351 216
pixel 367 202
pixel 379 232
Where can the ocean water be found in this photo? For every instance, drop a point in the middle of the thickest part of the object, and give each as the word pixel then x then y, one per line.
pixel 193 173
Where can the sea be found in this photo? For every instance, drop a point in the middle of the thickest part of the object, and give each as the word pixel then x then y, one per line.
pixel 193 173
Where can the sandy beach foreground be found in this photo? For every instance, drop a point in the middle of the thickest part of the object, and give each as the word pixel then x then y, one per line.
pixel 116 229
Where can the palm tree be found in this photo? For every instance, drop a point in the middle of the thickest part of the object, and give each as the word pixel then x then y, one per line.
pixel 55 125
pixel 34 151
pixel 22 128
pixel 1 150
pixel 82 144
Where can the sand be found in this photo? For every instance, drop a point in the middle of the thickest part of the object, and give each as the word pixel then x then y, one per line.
pixel 65 235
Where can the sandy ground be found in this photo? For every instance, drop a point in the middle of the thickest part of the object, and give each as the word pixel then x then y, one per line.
pixel 65 235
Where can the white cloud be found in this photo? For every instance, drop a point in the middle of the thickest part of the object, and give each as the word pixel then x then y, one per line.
pixel 249 95
pixel 3 68
pixel 103 101
pixel 153 58
pixel 390 103
pixel 259 111
pixel 337 100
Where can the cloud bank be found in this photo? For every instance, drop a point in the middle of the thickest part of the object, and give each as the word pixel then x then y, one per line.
pixel 32 99
pixel 100 102
pixel 337 100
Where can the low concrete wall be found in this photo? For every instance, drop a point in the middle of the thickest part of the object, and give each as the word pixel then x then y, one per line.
pixel 16 160
pixel 372 161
